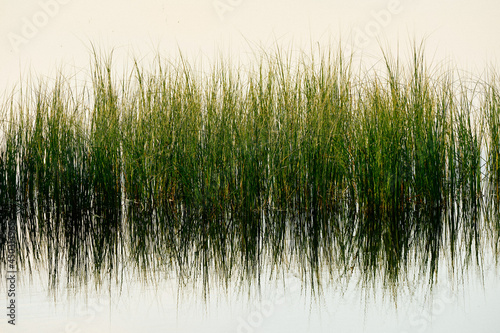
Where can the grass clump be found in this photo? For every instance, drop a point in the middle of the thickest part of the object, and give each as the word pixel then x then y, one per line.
pixel 289 165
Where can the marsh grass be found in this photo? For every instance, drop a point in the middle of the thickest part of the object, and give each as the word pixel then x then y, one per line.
pixel 492 115
pixel 223 175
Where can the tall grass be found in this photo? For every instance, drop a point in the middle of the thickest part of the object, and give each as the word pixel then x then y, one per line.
pixel 492 115
pixel 293 164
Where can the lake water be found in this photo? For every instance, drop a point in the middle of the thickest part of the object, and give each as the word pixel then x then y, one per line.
pixel 139 307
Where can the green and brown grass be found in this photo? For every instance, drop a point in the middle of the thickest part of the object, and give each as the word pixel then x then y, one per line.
pixel 227 174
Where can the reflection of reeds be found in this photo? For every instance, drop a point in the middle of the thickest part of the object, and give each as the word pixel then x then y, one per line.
pixel 492 115
pixel 297 164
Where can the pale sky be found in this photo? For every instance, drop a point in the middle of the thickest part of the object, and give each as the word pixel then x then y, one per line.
pixel 39 36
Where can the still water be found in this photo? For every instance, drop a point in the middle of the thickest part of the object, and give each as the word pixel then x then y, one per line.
pixel 280 307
